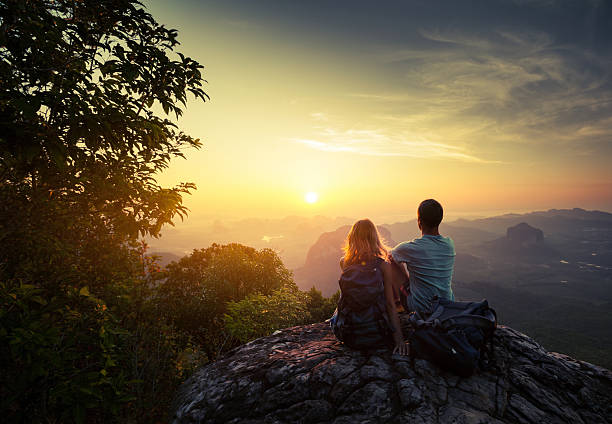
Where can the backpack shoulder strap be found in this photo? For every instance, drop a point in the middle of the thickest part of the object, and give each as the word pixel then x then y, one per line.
pixel 486 323
pixel 437 312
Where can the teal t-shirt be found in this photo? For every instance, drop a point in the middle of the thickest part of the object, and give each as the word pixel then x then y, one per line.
pixel 430 261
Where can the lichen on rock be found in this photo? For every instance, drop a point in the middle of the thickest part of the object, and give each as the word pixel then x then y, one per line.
pixel 304 375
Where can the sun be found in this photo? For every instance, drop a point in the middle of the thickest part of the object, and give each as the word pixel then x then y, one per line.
pixel 311 197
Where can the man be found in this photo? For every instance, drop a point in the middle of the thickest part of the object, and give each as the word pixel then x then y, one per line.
pixel 427 262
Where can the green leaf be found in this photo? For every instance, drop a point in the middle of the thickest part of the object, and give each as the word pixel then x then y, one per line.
pixel 39 300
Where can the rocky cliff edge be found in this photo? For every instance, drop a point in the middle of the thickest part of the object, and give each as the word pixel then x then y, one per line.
pixel 304 375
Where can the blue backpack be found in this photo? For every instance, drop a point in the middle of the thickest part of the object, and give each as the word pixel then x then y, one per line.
pixel 360 320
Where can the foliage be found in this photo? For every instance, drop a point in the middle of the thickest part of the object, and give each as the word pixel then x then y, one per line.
pixel 156 356
pixel 82 135
pixel 69 356
pixel 258 315
pixel 197 288
pixel 80 141
pixel 235 269
pixel 77 123
pixel 62 352
pixel 320 308
pixel 85 360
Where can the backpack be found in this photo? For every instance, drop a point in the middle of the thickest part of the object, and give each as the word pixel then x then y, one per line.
pixel 454 335
pixel 360 320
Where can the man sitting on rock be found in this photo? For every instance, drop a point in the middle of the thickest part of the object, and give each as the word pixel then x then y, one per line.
pixel 424 266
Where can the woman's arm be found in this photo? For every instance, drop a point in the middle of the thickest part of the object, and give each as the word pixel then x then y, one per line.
pixel 388 279
pixel 399 275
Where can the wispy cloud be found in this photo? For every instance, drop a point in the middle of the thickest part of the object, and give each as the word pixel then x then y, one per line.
pixel 377 143
pixel 381 97
pixel 319 116
pixel 503 86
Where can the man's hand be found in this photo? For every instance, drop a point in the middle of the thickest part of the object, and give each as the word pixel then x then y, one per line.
pixel 402 348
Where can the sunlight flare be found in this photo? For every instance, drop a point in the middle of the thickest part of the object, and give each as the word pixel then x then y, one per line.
pixel 311 197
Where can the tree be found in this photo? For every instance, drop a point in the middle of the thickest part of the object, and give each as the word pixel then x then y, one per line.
pixel 88 93
pixel 197 288
pixel 80 131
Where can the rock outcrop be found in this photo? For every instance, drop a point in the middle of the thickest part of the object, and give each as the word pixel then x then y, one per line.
pixel 303 375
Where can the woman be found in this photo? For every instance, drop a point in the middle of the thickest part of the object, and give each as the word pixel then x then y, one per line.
pixel 363 245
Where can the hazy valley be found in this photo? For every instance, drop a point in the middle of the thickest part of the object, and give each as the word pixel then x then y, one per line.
pixel 551 278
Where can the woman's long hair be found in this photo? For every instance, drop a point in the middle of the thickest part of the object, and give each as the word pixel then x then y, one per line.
pixel 363 243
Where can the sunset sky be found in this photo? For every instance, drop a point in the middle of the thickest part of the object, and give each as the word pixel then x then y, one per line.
pixel 487 106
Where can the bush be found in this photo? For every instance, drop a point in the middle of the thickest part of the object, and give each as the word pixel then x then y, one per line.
pixel 60 356
pixel 320 308
pixel 258 315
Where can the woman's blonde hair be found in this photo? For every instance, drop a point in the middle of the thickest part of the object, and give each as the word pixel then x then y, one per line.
pixel 363 243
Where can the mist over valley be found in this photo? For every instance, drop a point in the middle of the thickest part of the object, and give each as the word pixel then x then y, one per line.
pixel 548 273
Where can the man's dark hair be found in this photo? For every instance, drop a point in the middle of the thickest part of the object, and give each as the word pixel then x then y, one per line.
pixel 430 213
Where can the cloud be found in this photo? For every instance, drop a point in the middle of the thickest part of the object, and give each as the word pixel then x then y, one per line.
pixel 319 116
pixel 377 143
pixel 456 37
pixel 504 86
pixel 381 97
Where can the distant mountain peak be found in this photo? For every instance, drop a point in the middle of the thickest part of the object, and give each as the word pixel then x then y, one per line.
pixel 524 233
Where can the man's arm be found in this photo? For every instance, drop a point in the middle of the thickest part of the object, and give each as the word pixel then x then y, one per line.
pixel 402 253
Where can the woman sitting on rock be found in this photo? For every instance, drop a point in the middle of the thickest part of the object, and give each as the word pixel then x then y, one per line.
pixel 366 316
